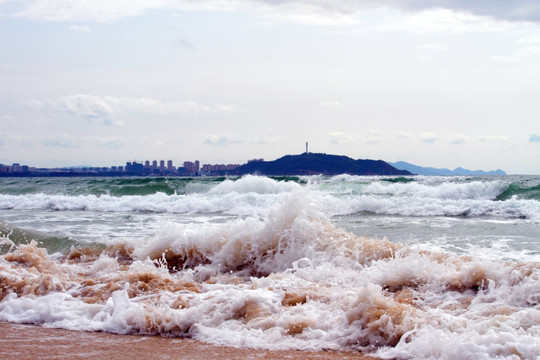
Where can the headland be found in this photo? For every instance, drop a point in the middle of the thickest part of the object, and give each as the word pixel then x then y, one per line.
pixel 319 164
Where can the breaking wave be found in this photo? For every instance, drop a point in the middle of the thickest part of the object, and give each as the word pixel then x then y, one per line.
pixel 249 195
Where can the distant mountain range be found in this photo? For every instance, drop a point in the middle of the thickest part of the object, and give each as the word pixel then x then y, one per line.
pixel 316 163
pixel 419 170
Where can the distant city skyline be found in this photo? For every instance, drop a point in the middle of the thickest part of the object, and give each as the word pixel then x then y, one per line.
pixel 131 167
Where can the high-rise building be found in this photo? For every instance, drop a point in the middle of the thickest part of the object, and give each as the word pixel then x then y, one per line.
pixel 169 165
pixel 192 167
pixel 162 166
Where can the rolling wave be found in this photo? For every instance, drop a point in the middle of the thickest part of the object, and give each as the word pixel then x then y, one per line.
pixel 340 195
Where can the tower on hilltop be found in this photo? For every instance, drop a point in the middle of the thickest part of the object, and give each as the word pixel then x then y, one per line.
pixel 307 152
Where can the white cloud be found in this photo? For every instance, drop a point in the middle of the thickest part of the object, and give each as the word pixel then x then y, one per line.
pixel 80 28
pixel 104 108
pixel 159 107
pixel 299 11
pixel 335 104
pixel 322 12
pixel 519 56
pixel 217 140
pixel 531 39
pixel 63 141
pixel 19 140
pixel 404 136
pixel 96 10
pixel 85 106
pixel 531 50
pixel 337 137
pixel 374 136
pixel 429 137
pixel 505 58
pixel 108 142
pixel 458 139
pixel 444 21
pixel 72 142
pixel 306 12
pixel 526 10
pixel 227 108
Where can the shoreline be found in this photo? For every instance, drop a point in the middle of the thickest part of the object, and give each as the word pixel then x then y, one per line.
pixel 21 341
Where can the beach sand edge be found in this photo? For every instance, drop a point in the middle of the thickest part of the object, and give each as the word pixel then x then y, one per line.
pixel 18 341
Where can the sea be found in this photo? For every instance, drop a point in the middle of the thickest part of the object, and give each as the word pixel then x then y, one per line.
pixel 418 267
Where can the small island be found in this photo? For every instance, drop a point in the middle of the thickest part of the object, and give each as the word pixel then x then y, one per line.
pixel 318 164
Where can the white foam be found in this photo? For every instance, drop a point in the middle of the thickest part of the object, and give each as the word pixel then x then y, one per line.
pixel 475 190
pixel 254 184
pixel 337 195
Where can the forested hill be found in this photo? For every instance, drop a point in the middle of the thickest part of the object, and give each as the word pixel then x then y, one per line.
pixel 316 163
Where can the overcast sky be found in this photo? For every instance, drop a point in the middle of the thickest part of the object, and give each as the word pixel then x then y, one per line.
pixel 434 83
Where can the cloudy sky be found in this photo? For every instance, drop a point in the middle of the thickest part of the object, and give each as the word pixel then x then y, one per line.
pixel 432 82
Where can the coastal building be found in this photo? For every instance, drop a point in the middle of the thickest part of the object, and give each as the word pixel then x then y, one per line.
pixel 209 169
pixel 134 168
pixel 191 168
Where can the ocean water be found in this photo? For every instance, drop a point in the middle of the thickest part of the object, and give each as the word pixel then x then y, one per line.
pixel 395 267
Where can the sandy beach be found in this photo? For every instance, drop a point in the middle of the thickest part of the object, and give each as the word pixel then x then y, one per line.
pixel 32 342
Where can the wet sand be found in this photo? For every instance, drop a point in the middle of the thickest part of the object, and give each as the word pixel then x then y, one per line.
pixel 35 342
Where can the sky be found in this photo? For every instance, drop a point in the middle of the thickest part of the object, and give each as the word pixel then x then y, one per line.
pixel 432 82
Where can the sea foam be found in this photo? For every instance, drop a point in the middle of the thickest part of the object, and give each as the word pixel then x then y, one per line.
pixel 339 195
